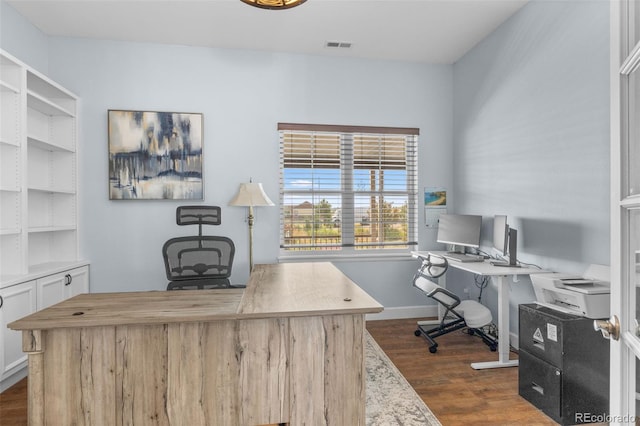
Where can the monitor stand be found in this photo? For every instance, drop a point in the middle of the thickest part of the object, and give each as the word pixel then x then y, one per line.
pixel 513 258
pixel 457 250
pixel 505 264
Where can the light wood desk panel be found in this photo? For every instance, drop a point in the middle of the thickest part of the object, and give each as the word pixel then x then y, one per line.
pixel 288 349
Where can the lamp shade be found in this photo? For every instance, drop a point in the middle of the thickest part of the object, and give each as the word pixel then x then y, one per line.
pixel 250 195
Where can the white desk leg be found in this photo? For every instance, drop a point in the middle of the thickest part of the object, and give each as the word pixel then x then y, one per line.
pixel 503 330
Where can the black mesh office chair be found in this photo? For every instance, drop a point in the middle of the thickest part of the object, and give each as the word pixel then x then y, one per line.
pixel 458 314
pixel 200 261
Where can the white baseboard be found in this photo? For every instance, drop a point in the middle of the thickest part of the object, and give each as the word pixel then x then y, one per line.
pixel 422 312
pixel 405 312
pixel 13 379
pixel 513 341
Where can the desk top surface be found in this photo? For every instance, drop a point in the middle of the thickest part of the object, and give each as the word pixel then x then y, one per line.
pixel 280 290
pixel 298 289
pixel 484 268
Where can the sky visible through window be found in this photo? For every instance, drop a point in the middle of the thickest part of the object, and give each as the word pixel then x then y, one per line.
pixel 321 180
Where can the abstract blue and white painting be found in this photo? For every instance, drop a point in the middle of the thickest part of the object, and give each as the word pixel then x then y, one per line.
pixel 155 155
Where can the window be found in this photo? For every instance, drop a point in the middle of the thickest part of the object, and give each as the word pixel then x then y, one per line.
pixel 347 189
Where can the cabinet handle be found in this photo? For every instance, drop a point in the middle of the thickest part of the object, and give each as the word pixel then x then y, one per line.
pixel 538 345
pixel 67 279
pixel 536 387
pixel 1 301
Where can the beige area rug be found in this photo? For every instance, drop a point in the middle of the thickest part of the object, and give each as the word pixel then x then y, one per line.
pixel 391 401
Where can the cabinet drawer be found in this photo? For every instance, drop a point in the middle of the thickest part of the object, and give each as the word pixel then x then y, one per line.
pixel 541 335
pixel 540 383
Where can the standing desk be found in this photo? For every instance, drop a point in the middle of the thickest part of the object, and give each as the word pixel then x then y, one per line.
pixel 499 273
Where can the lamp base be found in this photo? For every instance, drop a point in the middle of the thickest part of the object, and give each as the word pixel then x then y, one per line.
pixel 250 221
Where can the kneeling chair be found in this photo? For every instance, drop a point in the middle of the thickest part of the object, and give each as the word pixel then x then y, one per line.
pixel 458 314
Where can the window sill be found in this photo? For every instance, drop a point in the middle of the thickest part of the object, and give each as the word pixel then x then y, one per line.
pixel 360 257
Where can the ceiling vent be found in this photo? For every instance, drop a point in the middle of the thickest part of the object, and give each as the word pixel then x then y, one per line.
pixel 338 44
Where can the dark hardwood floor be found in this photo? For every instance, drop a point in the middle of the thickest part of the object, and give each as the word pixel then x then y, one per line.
pixel 13 405
pixel 457 394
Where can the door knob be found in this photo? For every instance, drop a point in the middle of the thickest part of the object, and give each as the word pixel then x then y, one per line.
pixel 610 328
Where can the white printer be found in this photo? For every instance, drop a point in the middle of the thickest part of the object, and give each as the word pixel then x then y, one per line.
pixel 586 296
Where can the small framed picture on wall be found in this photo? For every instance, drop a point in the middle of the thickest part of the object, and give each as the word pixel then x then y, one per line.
pixel 435 204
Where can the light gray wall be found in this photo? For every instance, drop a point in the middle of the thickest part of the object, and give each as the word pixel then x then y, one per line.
pixel 23 40
pixel 531 137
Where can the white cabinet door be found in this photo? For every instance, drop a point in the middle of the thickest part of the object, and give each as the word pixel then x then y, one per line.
pixel 58 287
pixel 78 282
pixel 51 290
pixel 20 300
pixel 16 302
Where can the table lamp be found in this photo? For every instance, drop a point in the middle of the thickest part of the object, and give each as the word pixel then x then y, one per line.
pixel 250 195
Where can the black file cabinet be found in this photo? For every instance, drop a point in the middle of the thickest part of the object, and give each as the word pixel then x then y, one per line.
pixel 564 365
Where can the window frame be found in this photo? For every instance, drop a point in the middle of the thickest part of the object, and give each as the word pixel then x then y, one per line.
pixel 347 249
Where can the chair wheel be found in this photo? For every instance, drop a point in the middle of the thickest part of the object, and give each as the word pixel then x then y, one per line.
pixel 493 348
pixel 433 349
pixel 417 333
pixel 471 331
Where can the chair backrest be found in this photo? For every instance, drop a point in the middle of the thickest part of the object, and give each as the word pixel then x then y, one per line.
pixel 433 267
pixel 198 257
pixel 198 215
pixel 207 259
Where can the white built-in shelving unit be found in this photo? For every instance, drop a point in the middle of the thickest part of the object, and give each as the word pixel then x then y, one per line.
pixel 39 232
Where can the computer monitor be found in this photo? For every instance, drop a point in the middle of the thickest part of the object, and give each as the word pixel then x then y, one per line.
pixel 505 240
pixel 501 234
pixel 460 230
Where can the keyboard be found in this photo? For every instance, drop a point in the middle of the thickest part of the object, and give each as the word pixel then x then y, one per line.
pixel 460 257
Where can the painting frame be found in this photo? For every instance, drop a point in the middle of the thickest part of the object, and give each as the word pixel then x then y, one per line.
pixel 155 155
pixel 435 204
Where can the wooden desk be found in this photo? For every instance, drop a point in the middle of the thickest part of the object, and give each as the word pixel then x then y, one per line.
pixel 287 349
pixel 499 273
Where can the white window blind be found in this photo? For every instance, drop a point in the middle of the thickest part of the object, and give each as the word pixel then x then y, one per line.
pixel 347 188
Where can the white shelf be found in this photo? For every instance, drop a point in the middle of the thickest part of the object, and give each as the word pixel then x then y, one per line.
pixel 51 190
pixel 51 171
pixel 12 231
pixel 10 189
pixel 48 244
pixel 9 143
pixel 8 87
pixel 7 280
pixel 45 106
pixel 55 267
pixel 51 229
pixel 49 132
pixel 47 145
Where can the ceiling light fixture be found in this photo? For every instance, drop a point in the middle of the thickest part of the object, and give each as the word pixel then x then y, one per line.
pixel 274 4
